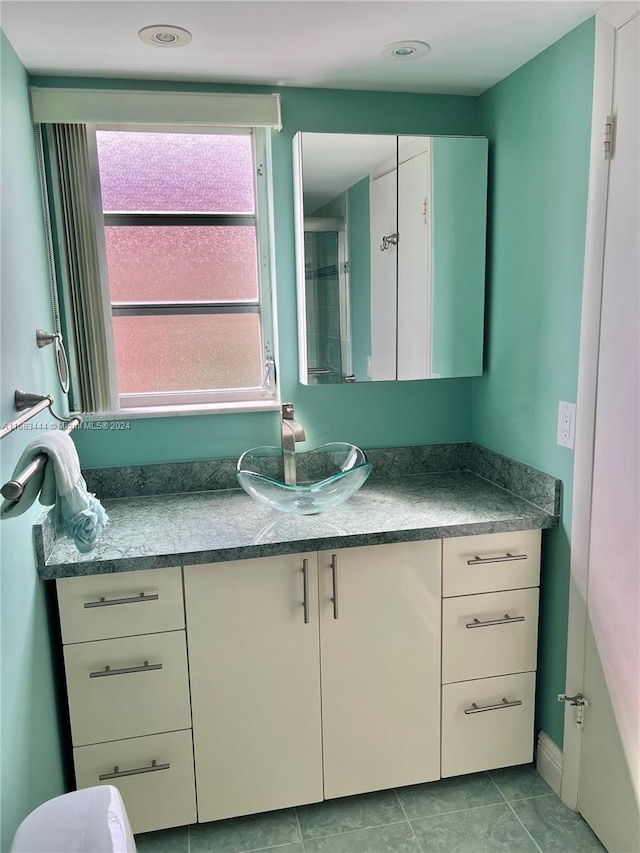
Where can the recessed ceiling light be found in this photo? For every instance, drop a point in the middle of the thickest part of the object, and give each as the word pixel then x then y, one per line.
pixel 165 35
pixel 403 50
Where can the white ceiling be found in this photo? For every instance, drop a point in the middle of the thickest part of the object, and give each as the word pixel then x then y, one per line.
pixel 320 43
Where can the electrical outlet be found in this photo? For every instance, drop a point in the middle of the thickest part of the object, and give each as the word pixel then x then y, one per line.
pixel 566 424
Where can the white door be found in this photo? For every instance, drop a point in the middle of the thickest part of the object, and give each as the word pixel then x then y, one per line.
pixel 255 686
pixel 380 661
pixel 610 758
pixel 383 210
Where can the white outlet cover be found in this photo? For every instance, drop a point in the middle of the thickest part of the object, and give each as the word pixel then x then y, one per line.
pixel 566 424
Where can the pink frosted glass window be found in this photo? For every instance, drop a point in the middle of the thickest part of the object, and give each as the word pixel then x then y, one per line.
pixel 188 352
pixel 186 172
pixel 180 228
pixel 182 263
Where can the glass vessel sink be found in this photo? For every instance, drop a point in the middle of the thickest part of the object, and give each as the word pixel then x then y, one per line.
pixel 325 477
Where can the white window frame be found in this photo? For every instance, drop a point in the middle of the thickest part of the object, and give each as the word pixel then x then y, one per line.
pixel 264 397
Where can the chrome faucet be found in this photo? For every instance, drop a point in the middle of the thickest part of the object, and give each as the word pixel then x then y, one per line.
pixel 291 431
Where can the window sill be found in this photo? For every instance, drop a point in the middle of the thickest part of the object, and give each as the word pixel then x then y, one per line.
pixel 180 411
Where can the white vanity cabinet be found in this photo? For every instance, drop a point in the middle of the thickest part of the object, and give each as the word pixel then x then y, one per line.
pixel 128 691
pixel 489 647
pixel 380 666
pixel 307 677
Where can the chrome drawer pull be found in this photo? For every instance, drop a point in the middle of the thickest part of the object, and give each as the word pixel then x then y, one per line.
pixel 118 774
pixel 334 574
pixel 508 558
pixel 506 621
pixel 305 590
pixel 475 709
pixel 146 667
pixel 110 602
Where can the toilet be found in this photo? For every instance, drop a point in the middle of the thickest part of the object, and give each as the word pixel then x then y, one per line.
pixel 93 820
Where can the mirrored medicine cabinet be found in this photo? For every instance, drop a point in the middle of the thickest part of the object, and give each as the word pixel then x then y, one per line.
pixel 390 253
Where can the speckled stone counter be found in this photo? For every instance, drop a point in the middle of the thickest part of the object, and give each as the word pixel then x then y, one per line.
pixel 153 531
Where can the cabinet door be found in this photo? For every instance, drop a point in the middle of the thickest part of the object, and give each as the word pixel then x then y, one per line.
pixel 255 685
pixel 414 267
pixel 380 661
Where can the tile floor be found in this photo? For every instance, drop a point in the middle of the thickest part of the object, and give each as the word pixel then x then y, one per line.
pixel 504 811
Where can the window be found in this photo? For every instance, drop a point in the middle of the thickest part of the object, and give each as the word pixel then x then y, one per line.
pixel 181 229
pixel 174 234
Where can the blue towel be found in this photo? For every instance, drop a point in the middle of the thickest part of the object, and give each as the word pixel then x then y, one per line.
pixel 79 513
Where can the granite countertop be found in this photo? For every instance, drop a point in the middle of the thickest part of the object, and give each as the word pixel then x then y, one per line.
pixel 153 531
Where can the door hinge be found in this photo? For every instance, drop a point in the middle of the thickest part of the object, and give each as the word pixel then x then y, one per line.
pixel 578 702
pixel 344 267
pixel 609 129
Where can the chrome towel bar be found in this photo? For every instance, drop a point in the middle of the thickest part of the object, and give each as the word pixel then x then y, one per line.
pixel 35 403
pixel 13 489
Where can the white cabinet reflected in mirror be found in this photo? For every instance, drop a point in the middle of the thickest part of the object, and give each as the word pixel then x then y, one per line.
pixel 390 244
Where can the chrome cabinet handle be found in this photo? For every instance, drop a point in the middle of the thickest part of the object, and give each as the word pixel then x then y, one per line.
pixel 334 575
pixel 508 558
pixel 475 709
pixel 110 602
pixel 146 667
pixel 118 774
pixel 305 588
pixel 506 621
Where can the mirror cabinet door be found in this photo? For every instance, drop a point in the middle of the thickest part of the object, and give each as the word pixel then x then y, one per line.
pixel 390 244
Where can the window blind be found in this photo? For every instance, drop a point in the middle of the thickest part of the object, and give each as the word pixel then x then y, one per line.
pixel 74 188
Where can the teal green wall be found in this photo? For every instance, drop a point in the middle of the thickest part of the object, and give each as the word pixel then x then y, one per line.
pixel 459 211
pixel 538 122
pixel 31 761
pixel 364 414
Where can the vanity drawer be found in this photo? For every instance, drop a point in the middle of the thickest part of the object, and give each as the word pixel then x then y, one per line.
pixel 481 731
pixel 497 561
pixel 156 796
pixel 479 641
pixel 145 691
pixel 120 605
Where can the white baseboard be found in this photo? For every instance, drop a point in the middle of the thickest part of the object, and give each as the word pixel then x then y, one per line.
pixel 549 762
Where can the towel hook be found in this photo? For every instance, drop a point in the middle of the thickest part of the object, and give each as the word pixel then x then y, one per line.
pixel 43 339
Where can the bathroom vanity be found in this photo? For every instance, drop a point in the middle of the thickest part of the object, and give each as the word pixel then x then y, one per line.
pixel 309 676
pixel 271 675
